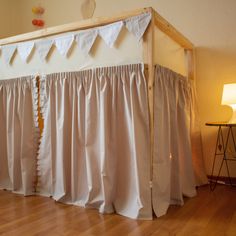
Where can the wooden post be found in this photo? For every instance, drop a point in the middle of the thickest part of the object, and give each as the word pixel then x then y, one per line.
pixel 148 58
pixel 190 57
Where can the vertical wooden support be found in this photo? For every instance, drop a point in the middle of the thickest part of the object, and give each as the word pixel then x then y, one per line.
pixel 148 58
pixel 190 57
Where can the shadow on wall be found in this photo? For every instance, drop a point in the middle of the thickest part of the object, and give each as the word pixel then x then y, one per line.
pixel 214 68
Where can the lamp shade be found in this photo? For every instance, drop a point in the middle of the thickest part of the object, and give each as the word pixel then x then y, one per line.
pixel 229 94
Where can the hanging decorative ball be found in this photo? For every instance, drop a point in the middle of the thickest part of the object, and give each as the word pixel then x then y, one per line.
pixel 34 10
pixel 38 10
pixel 38 22
pixel 34 22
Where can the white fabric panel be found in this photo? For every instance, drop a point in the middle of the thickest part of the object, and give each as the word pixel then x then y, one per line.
pixel 85 40
pixel 110 33
pixel 17 145
pixel 8 52
pixel 172 163
pixel 138 24
pixel 64 43
pixel 95 146
pixel 25 49
pixel 43 47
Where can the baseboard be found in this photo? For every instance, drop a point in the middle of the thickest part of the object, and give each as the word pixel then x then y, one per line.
pixel 222 180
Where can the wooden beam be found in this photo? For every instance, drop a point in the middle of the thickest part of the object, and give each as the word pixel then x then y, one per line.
pixel 168 29
pixel 79 25
pixel 148 58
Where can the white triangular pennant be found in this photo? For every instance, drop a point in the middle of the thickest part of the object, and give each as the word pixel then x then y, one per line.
pixel 85 40
pixel 64 44
pixel 24 50
pixel 8 52
pixel 43 47
pixel 110 33
pixel 138 24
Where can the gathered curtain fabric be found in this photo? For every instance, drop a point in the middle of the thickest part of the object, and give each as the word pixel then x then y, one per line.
pixel 196 139
pixel 95 146
pixel 18 141
pixel 95 150
pixel 173 174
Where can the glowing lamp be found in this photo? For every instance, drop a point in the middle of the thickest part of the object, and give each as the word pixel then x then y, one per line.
pixel 229 98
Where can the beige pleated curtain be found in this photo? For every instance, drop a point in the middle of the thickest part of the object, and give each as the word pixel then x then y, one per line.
pixel 95 147
pixel 18 140
pixel 174 126
pixel 196 139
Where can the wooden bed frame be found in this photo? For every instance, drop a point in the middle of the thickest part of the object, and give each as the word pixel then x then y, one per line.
pixel 148 48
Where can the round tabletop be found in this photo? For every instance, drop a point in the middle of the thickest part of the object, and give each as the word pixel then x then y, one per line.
pixel 220 124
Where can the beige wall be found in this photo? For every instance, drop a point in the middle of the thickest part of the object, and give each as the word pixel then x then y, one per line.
pixel 209 24
pixel 7 10
pixel 57 12
pixel 16 15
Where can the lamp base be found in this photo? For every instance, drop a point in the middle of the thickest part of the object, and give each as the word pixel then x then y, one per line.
pixel 233 118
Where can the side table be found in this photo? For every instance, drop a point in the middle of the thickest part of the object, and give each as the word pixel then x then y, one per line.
pixel 221 149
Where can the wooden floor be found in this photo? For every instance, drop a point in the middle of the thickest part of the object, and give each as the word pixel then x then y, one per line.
pixel 210 213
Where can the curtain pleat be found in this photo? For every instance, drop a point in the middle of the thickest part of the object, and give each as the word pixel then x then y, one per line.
pixel 94 150
pixel 18 135
pixel 172 163
pixel 196 140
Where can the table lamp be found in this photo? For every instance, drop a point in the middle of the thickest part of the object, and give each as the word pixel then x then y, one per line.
pixel 229 98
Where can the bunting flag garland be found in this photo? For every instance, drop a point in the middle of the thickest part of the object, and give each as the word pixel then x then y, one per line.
pixel 85 40
pixel 8 52
pixel 138 24
pixel 25 49
pixel 110 33
pixel 43 47
pixel 64 44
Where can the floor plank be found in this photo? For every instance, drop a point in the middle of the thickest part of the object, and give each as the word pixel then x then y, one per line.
pixel 210 213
